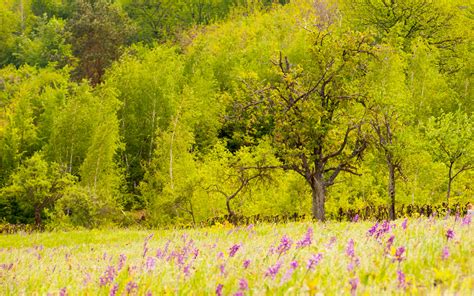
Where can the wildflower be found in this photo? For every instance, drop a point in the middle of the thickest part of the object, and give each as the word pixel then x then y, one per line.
pixel 314 260
pixel 150 263
pixel 239 293
pixel 350 248
pixel 108 277
pixel 272 271
pixel 243 284
pixel 399 254
pixel 389 243
pixel 306 241
pixel 148 293
pixel 466 220
pixel 373 229
pixel 332 241
pixel 195 253
pixel 219 289
pixel 122 259
pixel 401 279
pixel 113 290
pixel 356 218
pixel 63 292
pixel 285 245
pixel 233 250
pixel 186 270
pixel 354 283
pixel 294 264
pixel 404 224
pixel 449 234
pixel 246 263
pixel 131 286
pixel 445 253
pixel 222 269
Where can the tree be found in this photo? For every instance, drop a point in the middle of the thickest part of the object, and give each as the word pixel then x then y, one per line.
pixel 99 30
pixel 234 175
pixel 452 135
pixel 39 184
pixel 389 112
pixel 45 44
pixel 317 110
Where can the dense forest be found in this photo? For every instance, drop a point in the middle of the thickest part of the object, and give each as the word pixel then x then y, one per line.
pixel 164 112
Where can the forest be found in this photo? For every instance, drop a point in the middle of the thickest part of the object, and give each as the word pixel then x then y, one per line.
pixel 175 112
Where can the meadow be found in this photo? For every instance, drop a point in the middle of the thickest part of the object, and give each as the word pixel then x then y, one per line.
pixel 417 256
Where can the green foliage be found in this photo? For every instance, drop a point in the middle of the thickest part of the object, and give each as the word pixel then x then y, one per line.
pixel 47 43
pixel 452 136
pixel 38 184
pixel 98 29
pixel 204 108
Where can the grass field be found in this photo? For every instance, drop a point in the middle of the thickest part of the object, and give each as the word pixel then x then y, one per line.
pixel 419 256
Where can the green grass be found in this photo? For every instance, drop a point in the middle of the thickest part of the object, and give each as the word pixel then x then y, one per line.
pixel 43 263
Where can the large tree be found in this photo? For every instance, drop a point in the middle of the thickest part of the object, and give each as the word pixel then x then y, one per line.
pixel 99 30
pixel 318 111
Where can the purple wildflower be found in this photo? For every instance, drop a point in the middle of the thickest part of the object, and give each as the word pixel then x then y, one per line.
pixel 187 270
pixel 294 264
pixel 195 253
pixel 148 293
pixel 243 284
pixel 150 263
pixel 246 263
pixel 331 243
pixel 402 283
pixel 234 250
pixel 219 289
pixel 285 245
pixel 114 290
pixel 354 283
pixel 272 271
pixel 404 224
pixel 350 266
pixel 239 293
pixel 356 218
pixel 306 241
pixel 314 260
pixel 389 244
pixel 450 234
pixel 122 259
pixel 222 269
pixel 445 253
pixel 399 254
pixel 350 248
pixel 63 292
pixel 131 287
pixel 372 229
pixel 466 220
pixel 108 277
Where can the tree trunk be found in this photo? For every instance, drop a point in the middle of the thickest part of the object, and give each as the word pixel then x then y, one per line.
pixel 450 180
pixel 229 210
pixel 318 190
pixel 391 189
pixel 38 216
